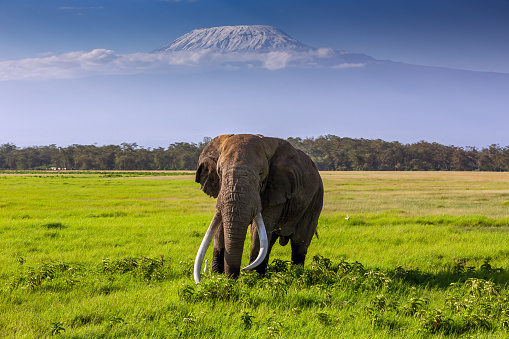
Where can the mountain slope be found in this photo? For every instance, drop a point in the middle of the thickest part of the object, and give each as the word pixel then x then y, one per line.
pixel 225 39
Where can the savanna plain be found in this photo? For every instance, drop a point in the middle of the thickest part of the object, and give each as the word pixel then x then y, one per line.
pixel 110 255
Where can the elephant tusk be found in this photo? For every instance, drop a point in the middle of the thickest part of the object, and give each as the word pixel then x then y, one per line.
pixel 262 233
pixel 216 220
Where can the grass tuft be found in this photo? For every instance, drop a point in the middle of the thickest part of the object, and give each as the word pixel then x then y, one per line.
pixel 53 225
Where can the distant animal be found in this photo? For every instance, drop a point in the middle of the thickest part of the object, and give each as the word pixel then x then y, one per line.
pixel 206 267
pixel 261 181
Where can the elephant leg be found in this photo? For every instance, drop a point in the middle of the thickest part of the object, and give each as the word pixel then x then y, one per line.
pixel 299 251
pixel 218 252
pixel 262 268
pixel 306 229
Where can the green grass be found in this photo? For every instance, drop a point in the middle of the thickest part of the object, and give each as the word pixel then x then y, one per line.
pixel 109 255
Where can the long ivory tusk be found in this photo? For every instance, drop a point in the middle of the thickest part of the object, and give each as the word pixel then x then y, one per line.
pixel 264 243
pixel 216 220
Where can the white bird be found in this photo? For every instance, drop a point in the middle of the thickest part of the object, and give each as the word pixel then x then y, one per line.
pixel 347 217
pixel 206 268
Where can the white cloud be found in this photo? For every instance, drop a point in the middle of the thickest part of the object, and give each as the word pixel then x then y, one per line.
pixel 325 52
pixel 276 60
pixel 107 62
pixel 349 65
pixel 96 62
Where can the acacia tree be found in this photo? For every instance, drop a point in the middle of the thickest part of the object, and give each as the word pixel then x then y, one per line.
pixel 8 156
pixel 161 159
pixel 105 157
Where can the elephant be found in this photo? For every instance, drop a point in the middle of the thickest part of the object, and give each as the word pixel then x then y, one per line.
pixel 260 181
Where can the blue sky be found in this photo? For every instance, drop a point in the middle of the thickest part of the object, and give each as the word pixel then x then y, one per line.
pixel 469 34
pixel 66 105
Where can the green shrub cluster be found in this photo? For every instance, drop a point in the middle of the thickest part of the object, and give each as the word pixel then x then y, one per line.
pixel 325 293
pixel 390 300
pixel 472 305
pixel 64 276
pixel 57 275
pixel 149 269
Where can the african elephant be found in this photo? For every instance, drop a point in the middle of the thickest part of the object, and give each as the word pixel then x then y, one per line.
pixel 261 181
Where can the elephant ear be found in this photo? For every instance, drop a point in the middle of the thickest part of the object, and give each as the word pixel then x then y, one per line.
pixel 285 175
pixel 206 174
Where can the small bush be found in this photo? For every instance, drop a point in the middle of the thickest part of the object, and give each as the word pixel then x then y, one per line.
pixel 247 319
pixel 54 225
pixel 152 269
pixel 57 328
pixel 324 318
pixel 217 288
pixel 123 265
pixel 435 322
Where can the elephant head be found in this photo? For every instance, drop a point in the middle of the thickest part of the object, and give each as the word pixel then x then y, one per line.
pixel 250 175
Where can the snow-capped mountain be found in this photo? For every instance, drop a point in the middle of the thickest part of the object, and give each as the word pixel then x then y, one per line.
pixel 225 39
pixel 258 39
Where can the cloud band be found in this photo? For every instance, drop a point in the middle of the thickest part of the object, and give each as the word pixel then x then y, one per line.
pixel 107 62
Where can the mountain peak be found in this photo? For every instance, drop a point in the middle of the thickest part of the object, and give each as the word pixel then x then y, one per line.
pixel 225 39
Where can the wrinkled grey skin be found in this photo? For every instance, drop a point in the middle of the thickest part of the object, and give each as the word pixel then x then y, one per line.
pixel 251 173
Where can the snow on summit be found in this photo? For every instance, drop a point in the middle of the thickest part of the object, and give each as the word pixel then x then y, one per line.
pixel 224 39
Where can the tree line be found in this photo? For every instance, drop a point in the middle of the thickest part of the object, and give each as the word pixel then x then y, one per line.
pixel 330 153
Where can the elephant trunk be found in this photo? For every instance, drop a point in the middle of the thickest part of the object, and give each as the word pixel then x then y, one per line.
pixel 237 215
pixel 238 205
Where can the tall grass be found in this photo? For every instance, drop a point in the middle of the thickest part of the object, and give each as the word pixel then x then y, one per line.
pixel 94 256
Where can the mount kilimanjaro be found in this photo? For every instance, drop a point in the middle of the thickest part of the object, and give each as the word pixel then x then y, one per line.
pixel 258 39
pixel 226 39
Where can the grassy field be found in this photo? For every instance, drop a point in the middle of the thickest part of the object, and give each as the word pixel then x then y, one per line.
pixel 109 255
